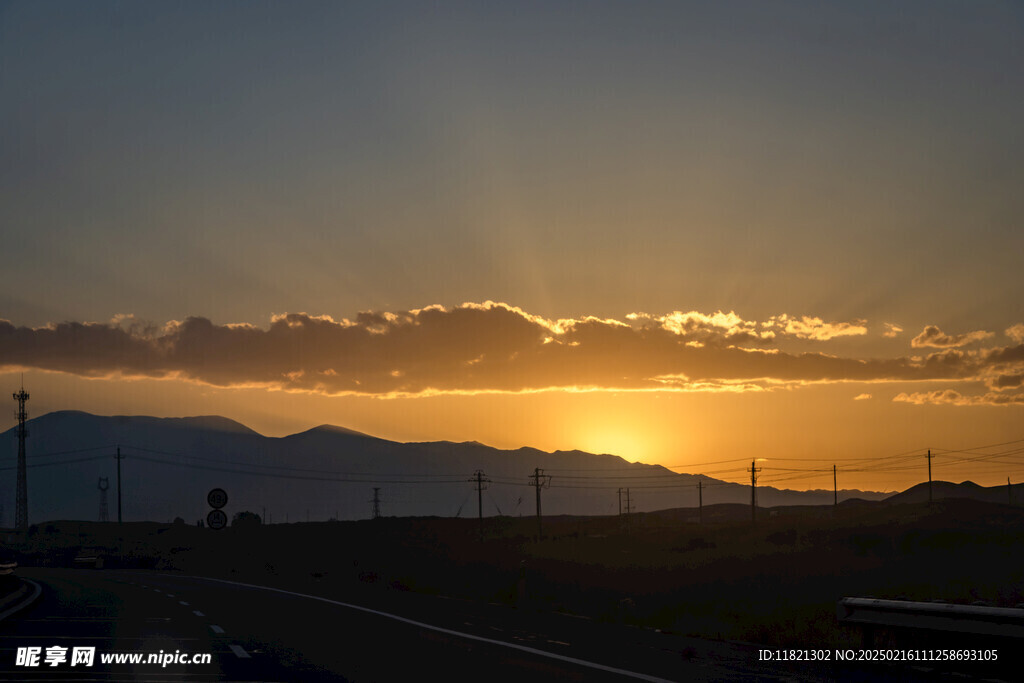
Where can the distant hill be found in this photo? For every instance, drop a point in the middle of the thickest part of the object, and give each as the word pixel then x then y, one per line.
pixel 169 464
pixel 966 489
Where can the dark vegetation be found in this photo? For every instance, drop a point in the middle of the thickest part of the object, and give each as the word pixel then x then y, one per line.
pixel 776 582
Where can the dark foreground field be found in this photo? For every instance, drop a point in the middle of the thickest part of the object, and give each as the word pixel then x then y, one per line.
pixel 775 582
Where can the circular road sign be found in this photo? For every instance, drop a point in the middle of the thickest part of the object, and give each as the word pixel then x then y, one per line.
pixel 217 498
pixel 216 519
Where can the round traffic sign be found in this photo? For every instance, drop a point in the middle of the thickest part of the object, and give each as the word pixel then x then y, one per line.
pixel 216 519
pixel 217 498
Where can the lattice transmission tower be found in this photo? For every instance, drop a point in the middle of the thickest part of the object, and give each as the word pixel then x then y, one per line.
pixel 103 484
pixel 21 497
pixel 376 502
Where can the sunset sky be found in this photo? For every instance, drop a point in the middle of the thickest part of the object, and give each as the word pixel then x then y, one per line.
pixel 683 233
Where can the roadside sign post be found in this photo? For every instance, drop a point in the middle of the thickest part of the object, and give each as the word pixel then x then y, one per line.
pixel 217 519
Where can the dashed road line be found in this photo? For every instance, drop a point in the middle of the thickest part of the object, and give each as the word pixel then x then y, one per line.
pixel 239 652
pixel 182 602
pixel 439 629
pixel 198 613
pixel 216 629
pixel 94 637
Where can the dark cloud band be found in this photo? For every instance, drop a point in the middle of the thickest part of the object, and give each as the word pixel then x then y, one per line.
pixel 489 347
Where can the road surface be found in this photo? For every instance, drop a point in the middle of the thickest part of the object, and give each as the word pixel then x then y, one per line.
pixel 253 633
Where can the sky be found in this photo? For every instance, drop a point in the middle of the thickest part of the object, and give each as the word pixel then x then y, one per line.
pixel 682 233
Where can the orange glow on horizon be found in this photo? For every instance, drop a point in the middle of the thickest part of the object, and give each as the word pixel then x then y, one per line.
pixel 717 434
pixel 615 440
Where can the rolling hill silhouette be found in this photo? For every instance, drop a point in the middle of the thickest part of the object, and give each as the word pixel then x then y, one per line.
pixel 967 489
pixel 169 464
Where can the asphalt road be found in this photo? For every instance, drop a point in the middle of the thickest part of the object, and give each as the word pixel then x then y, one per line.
pixel 259 634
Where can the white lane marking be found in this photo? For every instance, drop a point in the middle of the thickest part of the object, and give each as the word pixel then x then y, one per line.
pixel 170 595
pixel 68 619
pixel 216 629
pixel 33 592
pixel 469 636
pixel 94 637
pixel 182 602
pixel 157 590
pixel 239 652
pixel 198 613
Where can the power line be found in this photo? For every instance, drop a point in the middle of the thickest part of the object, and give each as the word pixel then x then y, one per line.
pixel 494 501
pixel 36 456
pixel 281 467
pixel 642 464
pixel 278 475
pixel 54 464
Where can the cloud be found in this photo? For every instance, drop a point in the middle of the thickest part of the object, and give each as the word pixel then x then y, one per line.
pixel 725 329
pixel 807 327
pixel 698 329
pixel 1001 382
pixel 951 397
pixel 488 347
pixel 861 397
pixel 1016 333
pixel 933 337
pixel 892 330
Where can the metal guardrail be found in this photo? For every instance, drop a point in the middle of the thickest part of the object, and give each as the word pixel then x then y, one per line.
pixel 1004 622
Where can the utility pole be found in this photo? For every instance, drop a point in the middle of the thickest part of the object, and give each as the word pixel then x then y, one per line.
pixel 929 456
pixel 624 510
pixel 103 484
pixel 376 502
pixel 835 487
pixel 21 496
pixel 700 501
pixel 118 484
pixel 753 490
pixel 481 481
pixel 539 480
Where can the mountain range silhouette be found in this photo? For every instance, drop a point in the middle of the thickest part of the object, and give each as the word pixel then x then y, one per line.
pixel 169 464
